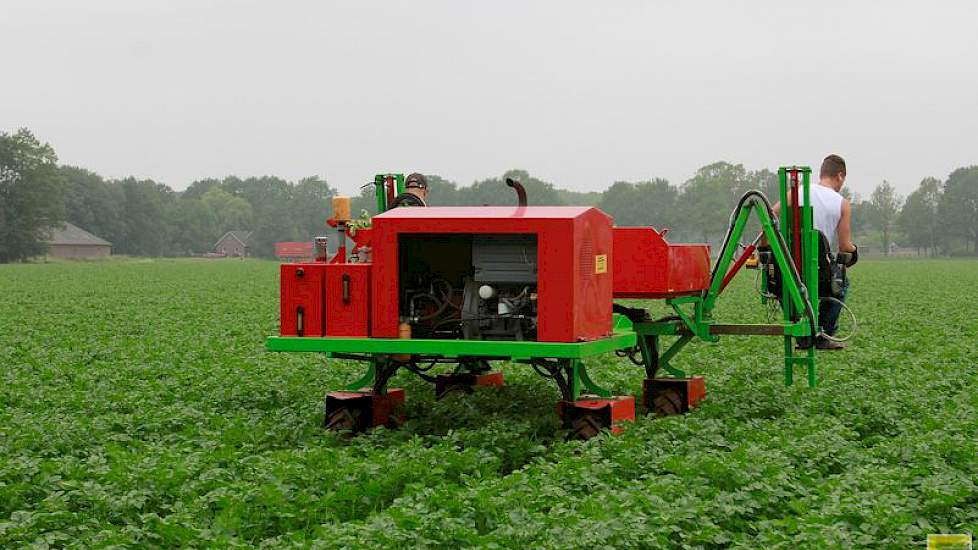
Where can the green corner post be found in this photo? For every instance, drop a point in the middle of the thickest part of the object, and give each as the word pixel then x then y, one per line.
pixel 381 192
pixel 789 184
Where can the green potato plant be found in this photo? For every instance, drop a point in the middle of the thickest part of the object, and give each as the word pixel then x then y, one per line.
pixel 138 408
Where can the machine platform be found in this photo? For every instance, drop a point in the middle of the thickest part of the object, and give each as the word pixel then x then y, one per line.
pixel 454 348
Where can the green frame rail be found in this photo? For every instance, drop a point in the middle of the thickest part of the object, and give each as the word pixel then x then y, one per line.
pixel 521 350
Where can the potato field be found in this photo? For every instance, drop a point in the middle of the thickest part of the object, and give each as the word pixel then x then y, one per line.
pixel 139 408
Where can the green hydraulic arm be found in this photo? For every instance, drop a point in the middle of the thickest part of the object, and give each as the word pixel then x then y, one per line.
pixel 794 246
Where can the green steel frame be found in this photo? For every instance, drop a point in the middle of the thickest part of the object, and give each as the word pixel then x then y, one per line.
pixel 693 319
pixel 381 193
pixel 521 350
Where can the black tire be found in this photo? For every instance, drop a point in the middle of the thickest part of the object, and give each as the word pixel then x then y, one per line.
pixel 586 426
pixel 668 402
pixel 343 420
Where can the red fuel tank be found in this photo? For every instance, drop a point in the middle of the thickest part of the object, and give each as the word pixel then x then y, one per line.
pixel 302 294
pixel 348 299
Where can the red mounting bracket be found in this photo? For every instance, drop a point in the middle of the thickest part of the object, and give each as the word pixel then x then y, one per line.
pixel 668 396
pixel 361 410
pixel 587 416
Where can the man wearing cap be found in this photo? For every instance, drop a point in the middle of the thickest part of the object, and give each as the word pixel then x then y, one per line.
pixel 415 192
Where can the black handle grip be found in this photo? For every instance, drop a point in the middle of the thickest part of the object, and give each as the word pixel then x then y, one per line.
pixel 346 288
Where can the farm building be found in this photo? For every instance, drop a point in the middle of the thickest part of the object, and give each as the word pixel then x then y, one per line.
pixel 71 241
pixel 235 244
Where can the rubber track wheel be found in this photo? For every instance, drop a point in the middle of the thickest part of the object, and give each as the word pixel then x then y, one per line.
pixel 586 426
pixel 668 402
pixel 342 419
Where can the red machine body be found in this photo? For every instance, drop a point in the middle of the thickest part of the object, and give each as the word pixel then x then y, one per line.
pixel 574 248
pixel 648 267
pixel 302 287
pixel 348 300
pixel 582 264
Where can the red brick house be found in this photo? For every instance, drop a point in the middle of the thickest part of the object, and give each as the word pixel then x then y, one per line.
pixel 72 242
pixel 234 244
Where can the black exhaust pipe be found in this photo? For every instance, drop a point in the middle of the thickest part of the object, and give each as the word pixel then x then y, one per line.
pixel 520 191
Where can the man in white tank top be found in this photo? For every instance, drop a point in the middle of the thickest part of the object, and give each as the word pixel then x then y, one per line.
pixel 831 211
pixel 831 215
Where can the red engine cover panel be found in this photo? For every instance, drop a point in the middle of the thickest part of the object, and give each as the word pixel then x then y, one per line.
pixel 348 296
pixel 646 266
pixel 574 249
pixel 301 301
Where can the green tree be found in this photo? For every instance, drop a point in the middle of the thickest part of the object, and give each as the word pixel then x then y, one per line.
pixel 191 227
pixel 886 209
pixel 764 181
pixel 229 212
pixel 197 189
pixel 144 205
pixel 862 214
pixel 441 192
pixel 30 195
pixel 366 200
pixel 707 199
pixel 93 204
pixel 644 203
pixel 271 203
pixel 579 198
pixel 959 205
pixel 919 219
pixel 494 192
pixel 312 206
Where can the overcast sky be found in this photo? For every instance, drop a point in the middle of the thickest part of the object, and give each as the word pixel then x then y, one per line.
pixel 578 93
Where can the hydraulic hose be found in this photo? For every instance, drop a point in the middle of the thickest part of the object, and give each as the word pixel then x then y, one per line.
pixel 855 323
pixel 758 196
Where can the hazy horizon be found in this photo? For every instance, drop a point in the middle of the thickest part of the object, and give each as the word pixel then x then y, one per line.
pixel 578 94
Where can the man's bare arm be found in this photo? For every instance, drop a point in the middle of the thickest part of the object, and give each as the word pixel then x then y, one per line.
pixel 843 230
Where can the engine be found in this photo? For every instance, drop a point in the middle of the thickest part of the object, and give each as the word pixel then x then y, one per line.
pixel 499 301
pixel 474 287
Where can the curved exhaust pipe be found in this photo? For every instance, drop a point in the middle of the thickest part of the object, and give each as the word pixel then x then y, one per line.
pixel 520 191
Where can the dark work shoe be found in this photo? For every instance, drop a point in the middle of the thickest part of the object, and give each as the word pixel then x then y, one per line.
pixel 825 343
pixel 804 342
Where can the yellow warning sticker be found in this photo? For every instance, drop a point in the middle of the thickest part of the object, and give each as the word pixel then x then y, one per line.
pixel 601 263
pixel 949 542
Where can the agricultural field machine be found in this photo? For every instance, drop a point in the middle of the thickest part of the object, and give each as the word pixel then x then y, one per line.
pixel 444 292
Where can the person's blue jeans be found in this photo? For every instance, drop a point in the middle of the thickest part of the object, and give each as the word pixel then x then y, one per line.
pixel 829 311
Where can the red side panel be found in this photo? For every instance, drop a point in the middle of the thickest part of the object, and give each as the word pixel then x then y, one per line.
pixel 592 268
pixel 348 296
pixel 574 263
pixel 646 266
pixel 302 290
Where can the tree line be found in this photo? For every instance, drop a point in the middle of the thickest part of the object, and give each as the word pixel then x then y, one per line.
pixel 142 217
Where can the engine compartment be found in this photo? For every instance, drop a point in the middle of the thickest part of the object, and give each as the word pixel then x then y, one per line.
pixel 469 286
